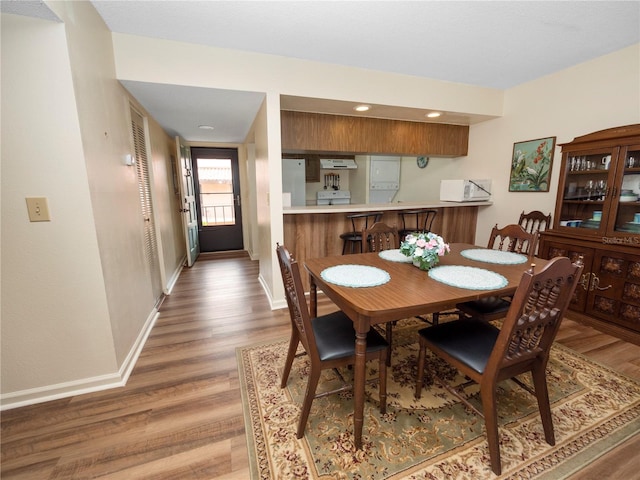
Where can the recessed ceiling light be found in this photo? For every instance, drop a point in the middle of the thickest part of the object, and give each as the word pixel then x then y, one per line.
pixel 362 108
pixel 433 114
pixel 205 127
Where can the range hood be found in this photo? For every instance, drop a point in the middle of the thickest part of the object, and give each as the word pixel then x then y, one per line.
pixel 337 164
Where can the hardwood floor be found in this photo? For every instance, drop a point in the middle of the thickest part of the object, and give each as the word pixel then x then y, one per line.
pixel 180 414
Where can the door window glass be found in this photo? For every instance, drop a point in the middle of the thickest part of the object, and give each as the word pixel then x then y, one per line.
pixel 216 192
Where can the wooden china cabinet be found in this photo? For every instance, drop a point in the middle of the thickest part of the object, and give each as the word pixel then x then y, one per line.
pixel 597 216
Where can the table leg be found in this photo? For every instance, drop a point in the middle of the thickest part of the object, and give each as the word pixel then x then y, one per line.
pixel 358 386
pixel 313 297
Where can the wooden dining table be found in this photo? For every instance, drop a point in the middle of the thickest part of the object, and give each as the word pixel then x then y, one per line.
pixel 409 292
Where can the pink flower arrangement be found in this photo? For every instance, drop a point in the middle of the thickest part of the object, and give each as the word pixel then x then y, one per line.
pixel 424 248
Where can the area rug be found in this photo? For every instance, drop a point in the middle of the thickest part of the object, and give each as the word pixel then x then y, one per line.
pixel 594 409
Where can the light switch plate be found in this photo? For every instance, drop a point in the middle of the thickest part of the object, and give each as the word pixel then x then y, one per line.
pixel 38 208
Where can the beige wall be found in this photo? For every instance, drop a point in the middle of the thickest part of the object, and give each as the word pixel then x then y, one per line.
pixel 136 60
pixel 77 298
pixel 595 95
pixel 592 96
pixel 55 318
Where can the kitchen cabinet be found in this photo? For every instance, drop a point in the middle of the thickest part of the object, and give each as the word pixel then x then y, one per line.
pixel 597 216
pixel 312 171
pixel 312 163
pixel 306 132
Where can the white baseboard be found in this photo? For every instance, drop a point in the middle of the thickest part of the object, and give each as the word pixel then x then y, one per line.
pixel 274 304
pixel 174 278
pixel 47 393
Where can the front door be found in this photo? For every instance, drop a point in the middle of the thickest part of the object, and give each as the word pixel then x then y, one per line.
pixel 189 209
pixel 218 198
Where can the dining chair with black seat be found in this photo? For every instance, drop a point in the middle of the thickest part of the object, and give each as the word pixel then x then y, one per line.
pixel 329 341
pixel 381 237
pixel 534 222
pixel 416 220
pixel 488 355
pixel 510 238
pixel 359 222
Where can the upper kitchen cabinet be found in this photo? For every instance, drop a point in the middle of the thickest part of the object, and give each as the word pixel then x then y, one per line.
pixel 313 132
pixel 312 164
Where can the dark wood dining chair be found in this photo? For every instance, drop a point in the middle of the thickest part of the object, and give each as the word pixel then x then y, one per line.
pixel 534 222
pixel 329 341
pixel 359 222
pixel 488 355
pixel 416 220
pixel 379 237
pixel 510 238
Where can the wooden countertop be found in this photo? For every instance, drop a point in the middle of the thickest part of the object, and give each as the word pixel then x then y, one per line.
pixel 369 207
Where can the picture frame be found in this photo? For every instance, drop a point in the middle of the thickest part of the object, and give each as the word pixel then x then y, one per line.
pixel 531 164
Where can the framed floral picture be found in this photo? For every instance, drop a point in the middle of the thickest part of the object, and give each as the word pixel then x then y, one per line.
pixel 531 165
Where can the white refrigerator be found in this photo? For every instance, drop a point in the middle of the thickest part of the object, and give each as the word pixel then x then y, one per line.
pixel 293 181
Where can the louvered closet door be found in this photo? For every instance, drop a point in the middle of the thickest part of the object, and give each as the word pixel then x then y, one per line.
pixel 144 189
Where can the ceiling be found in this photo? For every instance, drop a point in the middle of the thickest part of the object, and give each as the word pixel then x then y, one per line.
pixel 495 44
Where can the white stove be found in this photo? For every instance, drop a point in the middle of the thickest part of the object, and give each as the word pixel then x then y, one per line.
pixel 333 197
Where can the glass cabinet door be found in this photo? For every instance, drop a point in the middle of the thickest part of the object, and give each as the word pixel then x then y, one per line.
pixel 587 191
pixel 626 204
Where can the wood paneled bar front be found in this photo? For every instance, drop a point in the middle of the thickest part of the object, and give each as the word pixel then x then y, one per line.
pixel 314 231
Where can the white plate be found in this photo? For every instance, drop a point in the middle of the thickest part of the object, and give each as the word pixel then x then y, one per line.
pixel 631 182
pixel 629 199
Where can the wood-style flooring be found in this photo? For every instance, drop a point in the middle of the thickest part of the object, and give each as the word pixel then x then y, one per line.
pixel 180 414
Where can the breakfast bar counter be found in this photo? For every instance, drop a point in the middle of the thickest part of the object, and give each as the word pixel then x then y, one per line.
pixel 314 231
pixel 383 207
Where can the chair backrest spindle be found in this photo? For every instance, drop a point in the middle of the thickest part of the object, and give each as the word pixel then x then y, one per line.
pixel 296 300
pixel 513 238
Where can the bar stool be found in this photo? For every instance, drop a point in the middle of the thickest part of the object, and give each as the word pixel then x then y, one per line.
pixel 418 220
pixel 359 222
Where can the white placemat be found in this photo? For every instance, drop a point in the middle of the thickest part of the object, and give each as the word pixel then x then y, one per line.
pixel 355 276
pixel 394 256
pixel 493 256
pixel 471 278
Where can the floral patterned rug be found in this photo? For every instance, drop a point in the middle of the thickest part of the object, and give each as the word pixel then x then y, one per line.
pixel 594 409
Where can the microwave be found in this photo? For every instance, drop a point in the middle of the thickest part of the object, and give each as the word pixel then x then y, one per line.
pixel 465 190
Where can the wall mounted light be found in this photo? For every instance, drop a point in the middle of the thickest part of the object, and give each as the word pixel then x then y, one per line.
pixel 362 108
pixel 433 114
pixel 205 127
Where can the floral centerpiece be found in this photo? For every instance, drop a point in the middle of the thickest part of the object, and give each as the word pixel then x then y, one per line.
pixel 424 248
